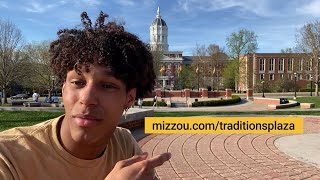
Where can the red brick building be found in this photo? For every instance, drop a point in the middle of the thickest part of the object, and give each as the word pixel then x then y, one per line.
pixel 271 67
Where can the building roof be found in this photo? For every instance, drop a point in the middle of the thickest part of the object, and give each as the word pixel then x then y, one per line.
pixel 159 21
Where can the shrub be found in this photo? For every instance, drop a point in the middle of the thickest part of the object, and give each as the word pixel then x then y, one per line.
pixel 150 103
pixel 233 100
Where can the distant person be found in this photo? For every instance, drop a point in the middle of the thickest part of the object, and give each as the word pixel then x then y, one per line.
pixel 35 97
pixel 140 101
pixel 55 99
pixel 46 99
pixel 155 99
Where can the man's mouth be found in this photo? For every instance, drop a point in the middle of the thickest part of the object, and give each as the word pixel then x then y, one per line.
pixel 86 120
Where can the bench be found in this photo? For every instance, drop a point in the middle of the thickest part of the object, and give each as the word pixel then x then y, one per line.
pixel 307 105
pixel 17 103
pixel 31 104
pixel 281 106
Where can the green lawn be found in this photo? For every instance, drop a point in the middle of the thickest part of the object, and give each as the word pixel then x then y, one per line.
pixel 313 99
pixel 10 119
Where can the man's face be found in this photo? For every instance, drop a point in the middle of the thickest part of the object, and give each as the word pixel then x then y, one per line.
pixel 94 101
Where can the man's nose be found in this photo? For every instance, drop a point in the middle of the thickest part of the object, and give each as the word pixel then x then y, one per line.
pixel 88 95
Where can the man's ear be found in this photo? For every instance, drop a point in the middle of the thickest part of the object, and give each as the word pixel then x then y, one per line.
pixel 62 89
pixel 131 96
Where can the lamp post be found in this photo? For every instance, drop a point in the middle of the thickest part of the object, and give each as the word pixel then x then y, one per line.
pixel 197 72
pixel 311 85
pixel 295 85
pixel 262 82
pixel 53 86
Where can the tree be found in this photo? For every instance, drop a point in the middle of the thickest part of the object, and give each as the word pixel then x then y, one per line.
pixel 186 78
pixel 157 57
pixel 308 41
pixel 241 43
pixel 287 50
pixel 210 62
pixel 217 62
pixel 229 75
pixel 42 74
pixel 12 58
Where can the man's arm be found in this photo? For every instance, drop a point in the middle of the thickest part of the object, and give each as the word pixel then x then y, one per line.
pixel 137 167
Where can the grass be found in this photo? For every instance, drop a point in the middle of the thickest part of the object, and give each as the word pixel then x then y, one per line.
pixel 10 119
pixel 313 99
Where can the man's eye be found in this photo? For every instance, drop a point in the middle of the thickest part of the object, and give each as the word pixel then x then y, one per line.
pixel 107 86
pixel 78 83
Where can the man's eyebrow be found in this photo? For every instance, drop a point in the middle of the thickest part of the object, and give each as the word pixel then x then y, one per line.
pixel 108 72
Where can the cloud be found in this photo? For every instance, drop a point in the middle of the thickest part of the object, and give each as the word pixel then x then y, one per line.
pixel 125 2
pixel 311 8
pixel 37 7
pixel 3 4
pixel 260 8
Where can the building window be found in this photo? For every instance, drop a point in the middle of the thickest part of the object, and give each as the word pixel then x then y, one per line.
pixel 271 76
pixel 309 65
pixel 281 64
pixel 168 73
pixel 281 76
pixel 271 64
pixel 300 76
pixel 176 66
pixel 300 64
pixel 290 64
pixel 168 66
pixel 261 76
pixel 262 64
pixel 290 76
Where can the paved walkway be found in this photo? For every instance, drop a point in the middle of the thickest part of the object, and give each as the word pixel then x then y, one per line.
pixel 232 157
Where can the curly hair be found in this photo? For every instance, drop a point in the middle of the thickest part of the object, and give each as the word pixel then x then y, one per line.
pixel 109 45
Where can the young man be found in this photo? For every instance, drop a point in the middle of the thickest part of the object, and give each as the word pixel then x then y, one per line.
pixel 102 69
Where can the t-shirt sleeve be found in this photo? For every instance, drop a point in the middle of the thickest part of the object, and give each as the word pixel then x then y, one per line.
pixel 134 144
pixel 5 173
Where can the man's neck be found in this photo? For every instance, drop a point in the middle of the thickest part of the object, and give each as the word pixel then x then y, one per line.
pixel 79 150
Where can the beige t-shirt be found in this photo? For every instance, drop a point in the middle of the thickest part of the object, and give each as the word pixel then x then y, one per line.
pixel 34 152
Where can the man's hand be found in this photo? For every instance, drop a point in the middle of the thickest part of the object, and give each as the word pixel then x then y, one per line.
pixel 137 167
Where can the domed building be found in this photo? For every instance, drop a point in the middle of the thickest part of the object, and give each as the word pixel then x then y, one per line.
pixel 172 61
pixel 159 34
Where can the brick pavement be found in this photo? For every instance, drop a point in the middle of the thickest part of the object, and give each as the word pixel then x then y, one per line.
pixel 229 156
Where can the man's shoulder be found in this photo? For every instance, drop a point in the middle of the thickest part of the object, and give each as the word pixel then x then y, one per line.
pixel 123 136
pixel 20 133
pixel 122 132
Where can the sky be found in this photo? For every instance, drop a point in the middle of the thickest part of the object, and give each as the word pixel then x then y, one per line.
pixel 190 22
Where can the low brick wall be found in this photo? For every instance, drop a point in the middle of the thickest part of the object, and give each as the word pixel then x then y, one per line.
pixel 135 118
pixel 307 105
pixel 267 100
pixel 133 124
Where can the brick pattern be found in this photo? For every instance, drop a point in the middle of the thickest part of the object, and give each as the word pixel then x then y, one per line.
pixel 228 156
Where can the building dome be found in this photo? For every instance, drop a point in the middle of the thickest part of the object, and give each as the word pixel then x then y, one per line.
pixel 158 21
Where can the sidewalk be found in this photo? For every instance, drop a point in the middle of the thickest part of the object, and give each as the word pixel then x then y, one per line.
pixel 238 156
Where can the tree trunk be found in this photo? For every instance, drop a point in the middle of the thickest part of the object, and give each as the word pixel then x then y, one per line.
pixel 4 95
